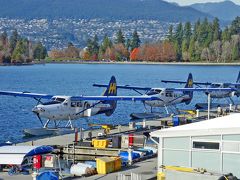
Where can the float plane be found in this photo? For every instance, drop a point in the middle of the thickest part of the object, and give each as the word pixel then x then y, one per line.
pixel 216 94
pixel 69 108
pixel 170 97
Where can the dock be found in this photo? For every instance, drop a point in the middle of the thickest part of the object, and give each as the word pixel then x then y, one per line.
pixel 71 150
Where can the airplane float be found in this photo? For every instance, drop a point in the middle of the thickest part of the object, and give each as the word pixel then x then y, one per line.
pixel 62 108
pixel 170 97
pixel 216 94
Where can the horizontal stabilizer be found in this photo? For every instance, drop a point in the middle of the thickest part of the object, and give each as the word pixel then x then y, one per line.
pixel 125 87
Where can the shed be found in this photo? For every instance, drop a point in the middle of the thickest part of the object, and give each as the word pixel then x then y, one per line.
pixel 13 154
pixel 211 144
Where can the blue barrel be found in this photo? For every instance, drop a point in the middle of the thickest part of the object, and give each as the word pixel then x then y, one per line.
pixel 124 155
pixel 175 120
pixel 147 151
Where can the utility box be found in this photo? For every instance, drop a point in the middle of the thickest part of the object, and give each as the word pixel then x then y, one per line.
pixel 100 143
pixel 105 165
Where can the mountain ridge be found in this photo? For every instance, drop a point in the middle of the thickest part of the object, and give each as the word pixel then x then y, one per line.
pixel 106 9
pixel 224 10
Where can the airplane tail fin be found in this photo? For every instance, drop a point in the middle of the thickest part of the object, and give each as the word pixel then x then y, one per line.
pixel 189 84
pixel 238 78
pixel 111 91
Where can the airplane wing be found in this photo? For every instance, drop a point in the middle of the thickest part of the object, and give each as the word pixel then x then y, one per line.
pixel 184 82
pixel 125 87
pixel 203 89
pixel 114 98
pixel 233 84
pixel 26 94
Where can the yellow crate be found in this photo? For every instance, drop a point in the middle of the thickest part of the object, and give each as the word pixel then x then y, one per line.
pixel 117 163
pixel 161 176
pixel 105 165
pixel 100 143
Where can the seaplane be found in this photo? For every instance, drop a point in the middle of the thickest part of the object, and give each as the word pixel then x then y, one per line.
pixel 170 97
pixel 60 108
pixel 215 94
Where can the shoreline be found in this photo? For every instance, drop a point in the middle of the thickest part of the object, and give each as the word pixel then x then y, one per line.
pixel 148 63
pixel 128 62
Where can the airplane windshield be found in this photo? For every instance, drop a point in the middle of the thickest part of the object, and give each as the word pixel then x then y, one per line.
pixel 60 99
pixel 54 101
pixel 154 92
pixel 215 85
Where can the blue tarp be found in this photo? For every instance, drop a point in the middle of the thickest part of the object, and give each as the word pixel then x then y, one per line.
pixel 40 150
pixel 47 176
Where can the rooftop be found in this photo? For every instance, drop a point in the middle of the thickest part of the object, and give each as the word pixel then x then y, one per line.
pixel 222 125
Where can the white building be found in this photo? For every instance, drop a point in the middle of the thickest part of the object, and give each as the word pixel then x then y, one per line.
pixel 212 144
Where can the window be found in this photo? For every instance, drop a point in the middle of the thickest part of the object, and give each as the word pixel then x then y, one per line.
pixel 73 104
pixel 169 94
pixel 206 145
pixel 60 99
pixel 158 91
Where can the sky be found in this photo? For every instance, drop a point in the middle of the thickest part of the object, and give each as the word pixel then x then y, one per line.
pixel 188 2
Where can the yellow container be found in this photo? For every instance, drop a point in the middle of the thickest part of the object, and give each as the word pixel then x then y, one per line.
pixel 100 143
pixel 117 163
pixel 161 176
pixel 105 165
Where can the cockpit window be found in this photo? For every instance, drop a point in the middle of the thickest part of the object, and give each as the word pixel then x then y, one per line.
pixel 55 101
pixel 158 90
pixel 215 85
pixel 60 99
pixel 154 91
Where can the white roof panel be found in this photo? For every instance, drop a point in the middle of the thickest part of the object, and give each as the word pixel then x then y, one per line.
pixel 222 125
pixel 13 154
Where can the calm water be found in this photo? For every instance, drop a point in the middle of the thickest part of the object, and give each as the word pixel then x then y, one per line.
pixel 77 79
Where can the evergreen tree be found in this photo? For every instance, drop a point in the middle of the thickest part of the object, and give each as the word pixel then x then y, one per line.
pixel 187 33
pixel 216 30
pixel 196 29
pixel 192 49
pixel 135 43
pixel 106 43
pixel 170 33
pixel 18 53
pixel 203 34
pixel 235 26
pixel 93 46
pixel 13 40
pixel 120 39
pixel 39 52
pixel 226 35
pixel 178 41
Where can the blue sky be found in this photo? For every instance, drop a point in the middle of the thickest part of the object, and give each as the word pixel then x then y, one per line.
pixel 187 2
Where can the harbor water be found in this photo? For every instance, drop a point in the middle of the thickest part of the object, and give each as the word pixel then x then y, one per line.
pixel 77 79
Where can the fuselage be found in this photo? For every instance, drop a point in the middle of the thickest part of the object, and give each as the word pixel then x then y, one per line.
pixel 220 94
pixel 65 108
pixel 166 97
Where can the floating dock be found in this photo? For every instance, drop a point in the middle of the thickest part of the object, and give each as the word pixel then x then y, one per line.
pixel 145 169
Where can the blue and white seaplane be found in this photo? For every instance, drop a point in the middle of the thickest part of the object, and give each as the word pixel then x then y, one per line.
pixel 62 108
pixel 170 97
pixel 215 94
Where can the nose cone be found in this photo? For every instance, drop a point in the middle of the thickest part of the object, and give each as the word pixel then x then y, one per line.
pixel 38 110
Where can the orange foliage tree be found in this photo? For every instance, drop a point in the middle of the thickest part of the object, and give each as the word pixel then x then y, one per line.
pixel 156 52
